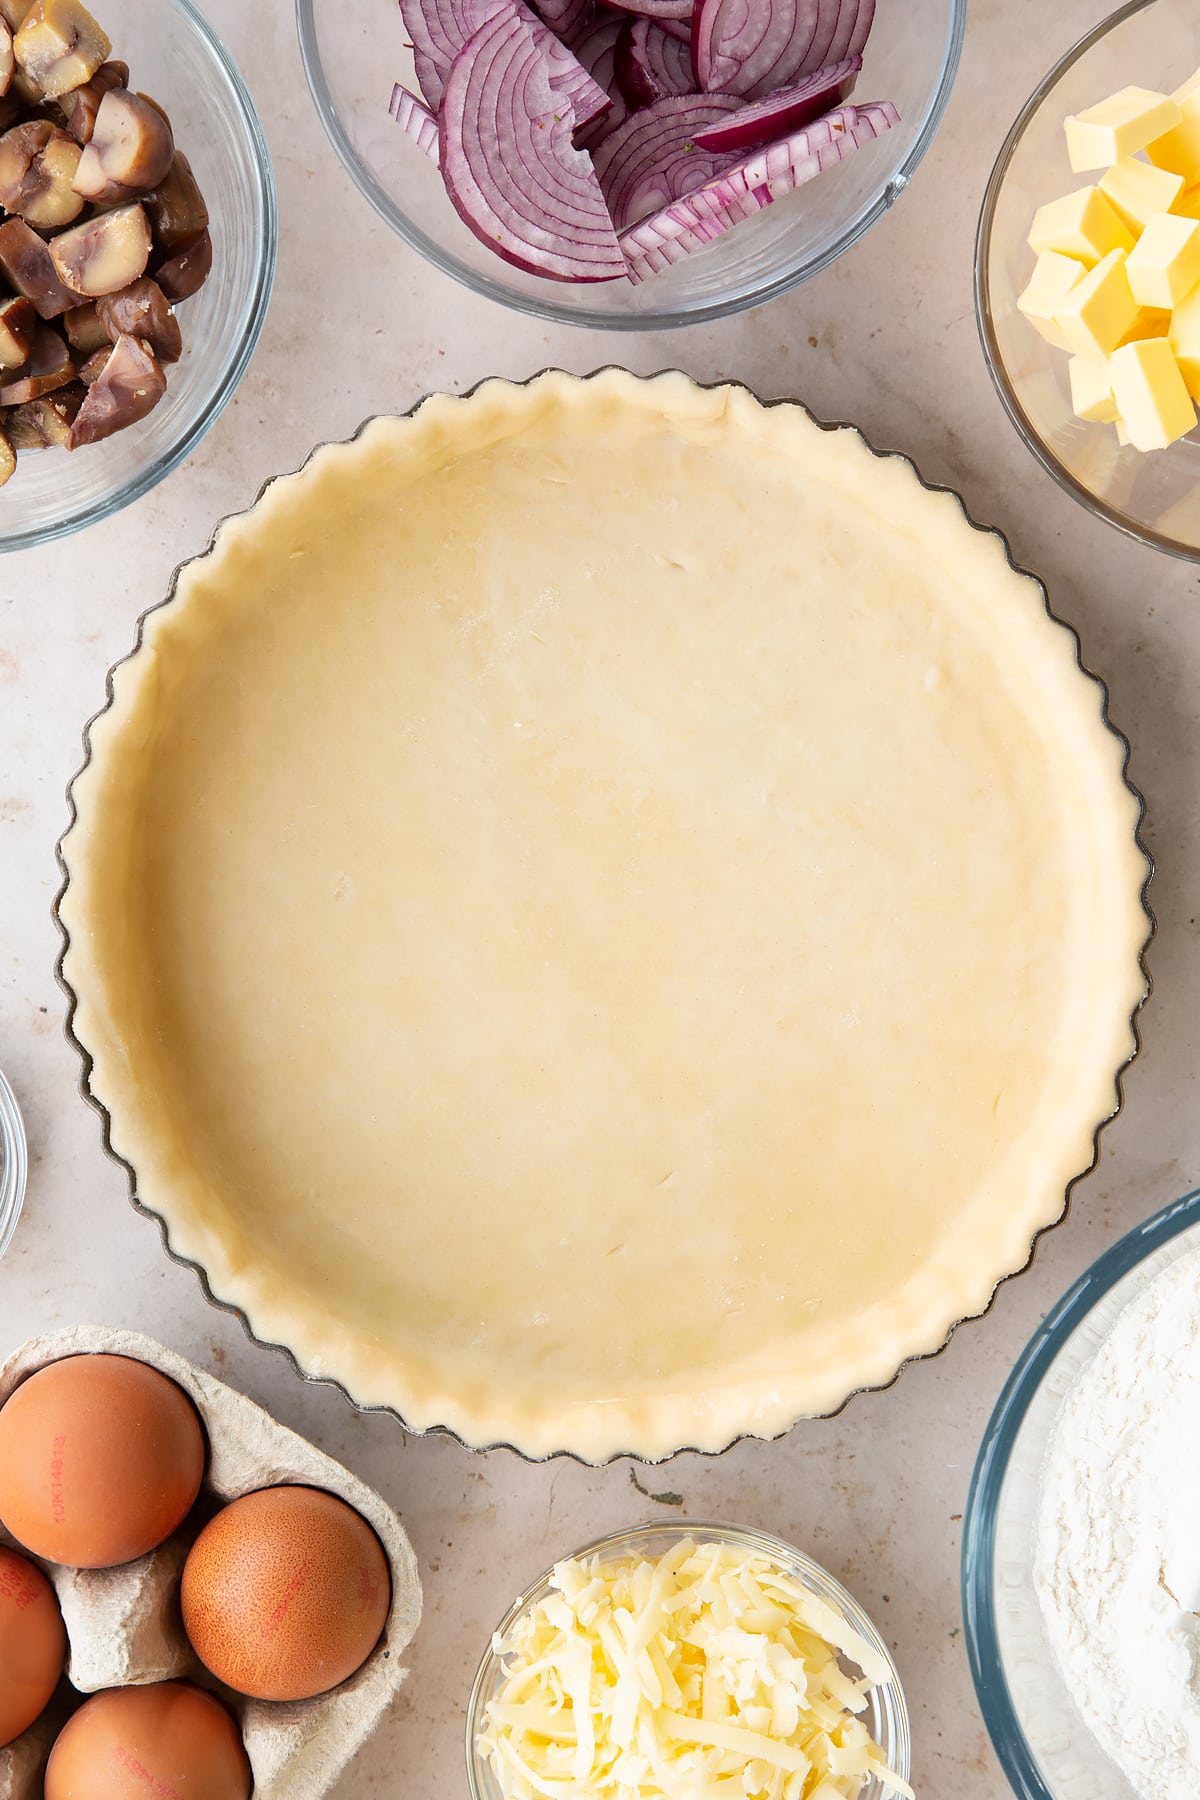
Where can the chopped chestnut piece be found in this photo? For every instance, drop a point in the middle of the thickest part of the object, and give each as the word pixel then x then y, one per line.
pixel 95 364
pixel 59 46
pixel 130 151
pixel 129 386
pixel 104 254
pixel 37 165
pixel 8 61
pixel 142 311
pixel 176 208
pixel 151 101
pixel 13 13
pixel 83 104
pixel 25 262
pixel 49 367
pixel 187 271
pixel 8 457
pixel 37 424
pixel 84 331
pixel 18 327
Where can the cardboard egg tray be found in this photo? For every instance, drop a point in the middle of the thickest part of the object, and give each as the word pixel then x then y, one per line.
pixel 124 1626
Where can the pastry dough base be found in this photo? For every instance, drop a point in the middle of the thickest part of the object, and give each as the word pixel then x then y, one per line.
pixel 605 915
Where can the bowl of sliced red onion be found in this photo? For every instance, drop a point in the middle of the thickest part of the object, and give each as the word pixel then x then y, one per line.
pixel 653 164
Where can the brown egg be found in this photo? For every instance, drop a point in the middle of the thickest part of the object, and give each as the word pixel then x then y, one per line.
pixel 33 1644
pixel 171 1739
pixel 285 1593
pixel 101 1458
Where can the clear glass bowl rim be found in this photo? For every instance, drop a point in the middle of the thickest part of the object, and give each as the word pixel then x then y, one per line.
pixel 156 471
pixel 1143 534
pixel 710 1531
pixel 983 1501
pixel 605 321
pixel 14 1163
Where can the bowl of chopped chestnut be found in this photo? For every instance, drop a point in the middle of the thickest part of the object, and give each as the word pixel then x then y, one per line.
pixel 137 251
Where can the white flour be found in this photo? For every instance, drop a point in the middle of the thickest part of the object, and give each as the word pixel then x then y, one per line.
pixel 1117 1566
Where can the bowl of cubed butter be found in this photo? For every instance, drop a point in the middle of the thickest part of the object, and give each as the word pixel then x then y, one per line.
pixel 1087 273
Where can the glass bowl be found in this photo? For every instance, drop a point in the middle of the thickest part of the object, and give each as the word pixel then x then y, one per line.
pixel 1154 497
pixel 1045 1747
pixel 353 54
pixel 14 1161
pixel 886 1714
pixel 173 54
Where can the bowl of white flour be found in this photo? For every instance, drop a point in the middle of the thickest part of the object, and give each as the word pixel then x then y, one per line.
pixel 1081 1540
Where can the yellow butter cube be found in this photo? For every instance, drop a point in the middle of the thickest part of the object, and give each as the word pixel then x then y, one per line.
pixel 1083 224
pixel 1179 148
pixel 1136 190
pixel 1165 264
pixel 1099 309
pixel 1119 126
pixel 1187 206
pixel 1151 322
pixel 1052 280
pixel 1091 391
pixel 1151 394
pixel 1184 338
pixel 1122 431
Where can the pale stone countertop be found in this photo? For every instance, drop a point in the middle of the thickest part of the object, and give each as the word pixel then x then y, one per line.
pixel 886 338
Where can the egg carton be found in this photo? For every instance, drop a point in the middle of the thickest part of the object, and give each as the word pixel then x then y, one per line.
pixel 124 1627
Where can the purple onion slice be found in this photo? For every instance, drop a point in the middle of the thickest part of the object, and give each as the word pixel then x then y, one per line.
pixel 414 117
pixel 851 38
pixel 649 64
pixel 568 19
pixel 678 28
pixel 785 111
pixel 510 168
pixel 658 9
pixel 440 28
pixel 429 77
pixel 568 77
pixel 597 54
pixel 652 158
pixel 752 49
pixel 746 187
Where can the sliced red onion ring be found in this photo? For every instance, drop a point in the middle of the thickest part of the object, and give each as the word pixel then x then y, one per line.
pixel 745 187
pixel 652 158
pixel 568 19
pixel 568 76
pixel 429 77
pixel 658 9
pixel 597 54
pixel 414 117
pixel 509 165
pixel 440 28
pixel 851 38
pixel 649 65
pixel 678 28
pixel 739 48
pixel 786 111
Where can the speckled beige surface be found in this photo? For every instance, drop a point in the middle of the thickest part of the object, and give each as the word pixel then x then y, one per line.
pixel 886 338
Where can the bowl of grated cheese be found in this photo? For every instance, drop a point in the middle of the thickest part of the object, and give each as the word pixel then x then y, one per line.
pixel 662 1663
pixel 1081 1560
